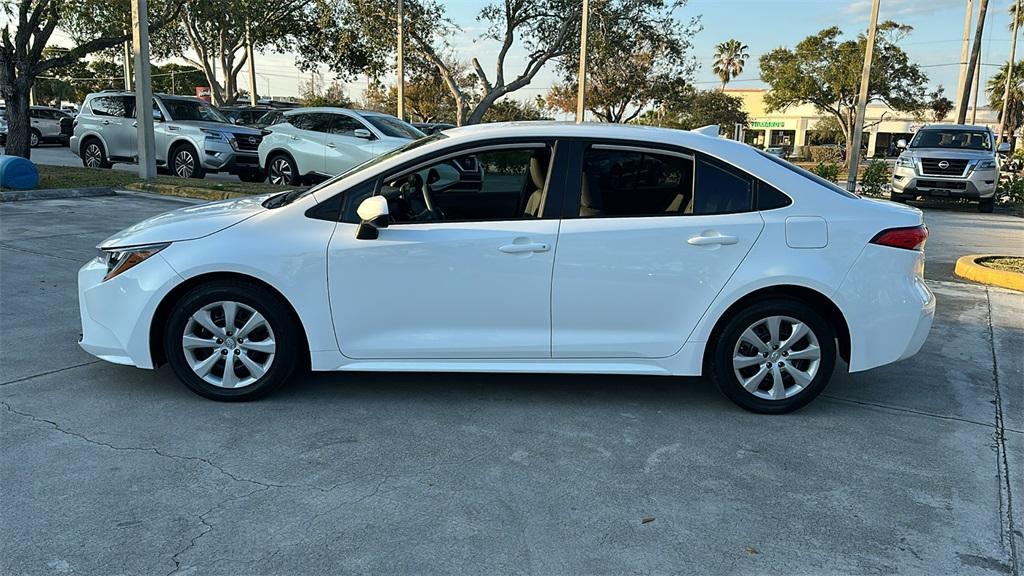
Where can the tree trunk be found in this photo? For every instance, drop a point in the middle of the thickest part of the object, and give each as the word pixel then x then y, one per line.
pixel 19 124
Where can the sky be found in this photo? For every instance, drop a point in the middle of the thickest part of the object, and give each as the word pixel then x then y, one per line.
pixel 763 25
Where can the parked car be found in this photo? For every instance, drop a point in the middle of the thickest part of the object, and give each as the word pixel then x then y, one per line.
pixel 244 115
pixel 49 125
pixel 192 137
pixel 777 151
pixel 949 160
pixel 321 142
pixel 432 127
pixel 590 248
pixel 269 119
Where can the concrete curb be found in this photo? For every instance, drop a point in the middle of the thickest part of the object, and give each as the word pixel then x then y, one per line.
pixel 968 267
pixel 183 191
pixel 53 194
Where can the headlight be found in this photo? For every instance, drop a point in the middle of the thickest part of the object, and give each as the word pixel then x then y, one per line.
pixel 119 260
pixel 905 162
pixel 214 134
pixel 986 165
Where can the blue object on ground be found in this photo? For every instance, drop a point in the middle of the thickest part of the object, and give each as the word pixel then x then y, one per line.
pixel 17 173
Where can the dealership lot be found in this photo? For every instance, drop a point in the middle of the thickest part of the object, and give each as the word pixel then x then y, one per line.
pixel 913 468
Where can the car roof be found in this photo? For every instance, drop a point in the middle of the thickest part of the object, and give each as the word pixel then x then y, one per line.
pixel 333 110
pixel 956 127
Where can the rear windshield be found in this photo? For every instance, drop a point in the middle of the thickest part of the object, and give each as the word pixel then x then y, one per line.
pixel 394 127
pixel 809 175
pixel 952 139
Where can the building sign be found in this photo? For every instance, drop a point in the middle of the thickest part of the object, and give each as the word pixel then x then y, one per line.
pixel 204 93
pixel 767 124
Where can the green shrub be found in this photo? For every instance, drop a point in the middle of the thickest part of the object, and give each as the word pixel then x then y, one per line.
pixel 1011 190
pixel 827 170
pixel 876 177
pixel 831 154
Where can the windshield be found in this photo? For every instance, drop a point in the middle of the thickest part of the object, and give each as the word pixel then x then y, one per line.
pixel 953 139
pixel 809 175
pixel 193 110
pixel 394 127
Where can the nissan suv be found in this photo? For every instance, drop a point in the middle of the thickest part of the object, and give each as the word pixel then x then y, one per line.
pixel 948 160
pixel 192 137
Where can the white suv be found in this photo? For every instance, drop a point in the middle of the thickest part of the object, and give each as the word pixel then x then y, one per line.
pixel 321 142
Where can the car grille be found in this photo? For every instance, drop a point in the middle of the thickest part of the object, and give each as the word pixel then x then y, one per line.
pixel 248 142
pixel 942 184
pixel 948 167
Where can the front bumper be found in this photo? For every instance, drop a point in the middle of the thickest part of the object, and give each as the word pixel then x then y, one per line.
pixel 977 185
pixel 116 314
pixel 220 156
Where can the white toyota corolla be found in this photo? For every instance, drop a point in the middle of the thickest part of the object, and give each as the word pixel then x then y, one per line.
pixel 536 247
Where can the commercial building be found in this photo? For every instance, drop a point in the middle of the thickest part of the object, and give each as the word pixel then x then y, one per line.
pixel 797 127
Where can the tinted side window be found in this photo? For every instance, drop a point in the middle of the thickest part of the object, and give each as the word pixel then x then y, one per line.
pixel 116 106
pixel 310 121
pixel 634 183
pixel 720 189
pixel 769 197
pixel 342 125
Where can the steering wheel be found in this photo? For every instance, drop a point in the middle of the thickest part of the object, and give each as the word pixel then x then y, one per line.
pixel 433 212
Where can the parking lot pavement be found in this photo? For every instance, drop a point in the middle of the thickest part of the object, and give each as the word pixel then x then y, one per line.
pixel 56 155
pixel 913 468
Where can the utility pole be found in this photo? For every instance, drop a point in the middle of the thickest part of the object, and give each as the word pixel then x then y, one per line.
pixel 581 94
pixel 974 92
pixel 143 90
pixel 126 54
pixel 862 100
pixel 401 60
pixel 1009 72
pixel 252 64
pixel 174 83
pixel 964 53
pixel 965 91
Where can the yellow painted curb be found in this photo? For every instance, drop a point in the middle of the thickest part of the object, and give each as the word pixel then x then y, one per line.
pixel 968 267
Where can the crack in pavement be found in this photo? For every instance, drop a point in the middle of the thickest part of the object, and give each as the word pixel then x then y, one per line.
pixel 48 372
pixel 1006 520
pixel 917 412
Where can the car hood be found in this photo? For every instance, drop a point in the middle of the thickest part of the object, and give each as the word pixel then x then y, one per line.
pixel 219 126
pixel 188 223
pixel 948 153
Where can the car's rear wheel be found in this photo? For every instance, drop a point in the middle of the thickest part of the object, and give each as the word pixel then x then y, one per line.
pixel 281 170
pixel 774 356
pixel 93 154
pixel 987 206
pixel 185 162
pixel 232 341
pixel 35 138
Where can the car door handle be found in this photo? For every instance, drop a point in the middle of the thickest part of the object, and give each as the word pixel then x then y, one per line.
pixel 173 128
pixel 106 122
pixel 294 137
pixel 712 239
pixel 331 145
pixel 135 124
pixel 521 248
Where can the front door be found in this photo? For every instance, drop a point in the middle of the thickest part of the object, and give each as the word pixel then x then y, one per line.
pixel 472 280
pixel 656 236
pixel 342 148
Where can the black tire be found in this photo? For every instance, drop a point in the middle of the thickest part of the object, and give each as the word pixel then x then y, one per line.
pixel 987 206
pixel 728 345
pixel 252 176
pixel 281 170
pixel 898 198
pixel 186 163
pixel 94 155
pixel 282 329
pixel 35 138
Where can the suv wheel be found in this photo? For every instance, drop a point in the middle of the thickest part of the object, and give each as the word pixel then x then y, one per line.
pixel 281 170
pixel 35 139
pixel 232 341
pixel 252 176
pixel 185 162
pixel 93 154
pixel 775 356
pixel 987 206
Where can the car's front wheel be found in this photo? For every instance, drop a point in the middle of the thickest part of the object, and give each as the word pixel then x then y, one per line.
pixel 987 206
pixel 185 162
pixel 35 139
pixel 232 341
pixel 774 356
pixel 281 170
pixel 252 176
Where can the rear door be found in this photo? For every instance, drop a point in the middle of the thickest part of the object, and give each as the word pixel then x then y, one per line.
pixel 114 119
pixel 650 238
pixel 306 140
pixel 342 149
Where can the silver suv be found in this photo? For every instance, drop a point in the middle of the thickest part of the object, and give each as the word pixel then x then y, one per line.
pixel 948 160
pixel 192 137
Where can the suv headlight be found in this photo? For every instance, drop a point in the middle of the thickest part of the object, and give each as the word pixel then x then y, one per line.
pixel 905 162
pixel 214 134
pixel 985 165
pixel 119 260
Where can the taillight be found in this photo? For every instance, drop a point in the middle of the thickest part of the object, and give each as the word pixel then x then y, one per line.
pixel 909 238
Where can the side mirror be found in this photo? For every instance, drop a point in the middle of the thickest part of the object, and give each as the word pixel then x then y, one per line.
pixel 901 143
pixel 158 116
pixel 374 215
pixel 1004 147
pixel 362 133
pixel 237 121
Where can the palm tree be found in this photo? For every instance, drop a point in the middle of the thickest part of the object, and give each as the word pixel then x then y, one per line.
pixel 1015 107
pixel 730 56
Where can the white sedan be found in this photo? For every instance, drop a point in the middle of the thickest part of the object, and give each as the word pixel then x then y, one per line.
pixel 553 248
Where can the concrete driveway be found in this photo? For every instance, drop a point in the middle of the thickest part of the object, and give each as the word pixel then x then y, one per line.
pixel 914 468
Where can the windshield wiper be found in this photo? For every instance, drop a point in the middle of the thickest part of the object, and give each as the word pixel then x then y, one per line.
pixel 284 198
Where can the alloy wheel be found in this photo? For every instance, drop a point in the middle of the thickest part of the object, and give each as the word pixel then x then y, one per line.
pixel 184 163
pixel 33 140
pixel 281 172
pixel 93 156
pixel 776 357
pixel 229 344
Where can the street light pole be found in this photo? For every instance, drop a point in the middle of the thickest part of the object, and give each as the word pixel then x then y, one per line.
pixel 1009 70
pixel 143 90
pixel 252 64
pixel 862 100
pixel 964 52
pixel 401 60
pixel 126 57
pixel 581 94
pixel 965 90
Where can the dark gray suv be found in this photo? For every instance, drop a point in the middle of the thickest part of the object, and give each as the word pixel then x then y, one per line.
pixel 192 137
